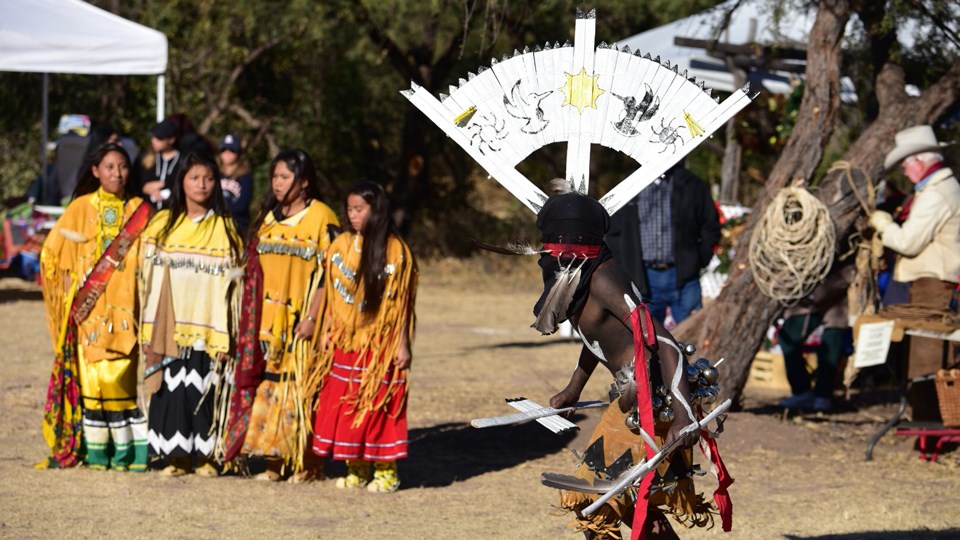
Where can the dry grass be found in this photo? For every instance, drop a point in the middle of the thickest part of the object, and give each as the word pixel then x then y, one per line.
pixel 801 478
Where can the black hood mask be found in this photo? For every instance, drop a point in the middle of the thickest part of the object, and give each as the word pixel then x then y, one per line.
pixel 572 227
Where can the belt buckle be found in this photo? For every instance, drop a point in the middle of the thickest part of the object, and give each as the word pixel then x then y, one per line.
pixel 659 266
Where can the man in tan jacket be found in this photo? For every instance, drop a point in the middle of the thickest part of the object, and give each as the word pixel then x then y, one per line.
pixel 928 241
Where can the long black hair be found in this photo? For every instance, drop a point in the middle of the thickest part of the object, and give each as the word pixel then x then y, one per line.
pixel 217 203
pixel 376 232
pixel 300 164
pixel 88 183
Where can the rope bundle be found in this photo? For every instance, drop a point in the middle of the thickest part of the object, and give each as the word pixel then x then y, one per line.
pixel 792 247
pixel 863 294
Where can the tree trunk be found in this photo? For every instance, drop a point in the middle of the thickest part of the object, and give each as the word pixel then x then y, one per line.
pixel 730 171
pixel 734 325
pixel 733 152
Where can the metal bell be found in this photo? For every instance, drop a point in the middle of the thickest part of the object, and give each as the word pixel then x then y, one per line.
pixel 693 372
pixel 668 401
pixel 665 416
pixel 656 402
pixel 702 363
pixel 661 391
pixel 689 349
pixel 632 421
pixel 710 374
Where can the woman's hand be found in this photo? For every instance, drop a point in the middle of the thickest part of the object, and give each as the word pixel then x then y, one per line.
pixel 305 328
pixel 222 357
pixel 403 359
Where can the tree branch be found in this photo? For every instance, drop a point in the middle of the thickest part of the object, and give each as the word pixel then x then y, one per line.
pixel 223 96
pixel 398 58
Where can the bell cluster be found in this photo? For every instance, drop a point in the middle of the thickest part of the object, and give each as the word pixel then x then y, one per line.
pixel 704 389
pixel 702 378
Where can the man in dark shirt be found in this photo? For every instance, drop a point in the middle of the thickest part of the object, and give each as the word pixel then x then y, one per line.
pixel 663 238
pixel 159 167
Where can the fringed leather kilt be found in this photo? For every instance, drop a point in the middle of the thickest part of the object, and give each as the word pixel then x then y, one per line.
pixel 672 492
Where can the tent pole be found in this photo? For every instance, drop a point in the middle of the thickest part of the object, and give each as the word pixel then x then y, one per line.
pixel 45 107
pixel 161 97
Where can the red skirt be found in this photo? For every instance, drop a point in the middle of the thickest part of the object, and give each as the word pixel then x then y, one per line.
pixel 381 436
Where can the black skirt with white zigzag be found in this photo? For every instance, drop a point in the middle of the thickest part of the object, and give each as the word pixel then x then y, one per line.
pixel 181 411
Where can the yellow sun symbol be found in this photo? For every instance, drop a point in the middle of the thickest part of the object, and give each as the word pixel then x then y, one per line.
pixel 581 90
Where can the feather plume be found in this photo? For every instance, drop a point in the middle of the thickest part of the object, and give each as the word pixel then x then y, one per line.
pixel 558 300
pixel 560 185
pixel 517 247
pixel 74 236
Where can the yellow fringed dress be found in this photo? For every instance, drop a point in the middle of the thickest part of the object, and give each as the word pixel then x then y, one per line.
pixel 114 429
pixel 291 253
pixel 190 314
pixel 361 411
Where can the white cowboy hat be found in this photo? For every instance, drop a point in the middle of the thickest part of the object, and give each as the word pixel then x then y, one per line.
pixel 910 141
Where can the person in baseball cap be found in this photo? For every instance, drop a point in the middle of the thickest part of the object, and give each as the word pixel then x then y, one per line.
pixel 230 142
pixel 164 130
pixel 236 179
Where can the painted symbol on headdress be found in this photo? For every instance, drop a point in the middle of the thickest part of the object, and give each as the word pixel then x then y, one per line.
pixel 581 90
pixel 529 111
pixel 634 113
pixel 488 131
pixel 692 125
pixel 667 135
pixel 464 118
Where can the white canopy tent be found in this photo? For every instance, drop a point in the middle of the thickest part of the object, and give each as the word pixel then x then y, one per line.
pixel 71 36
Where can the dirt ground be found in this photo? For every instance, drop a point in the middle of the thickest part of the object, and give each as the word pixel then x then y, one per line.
pixel 796 478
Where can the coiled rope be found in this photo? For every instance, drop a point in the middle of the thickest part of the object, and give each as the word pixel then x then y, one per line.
pixel 792 247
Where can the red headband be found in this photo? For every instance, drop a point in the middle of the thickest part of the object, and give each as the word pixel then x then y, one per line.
pixel 573 250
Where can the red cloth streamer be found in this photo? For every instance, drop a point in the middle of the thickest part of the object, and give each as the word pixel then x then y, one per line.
pixel 644 335
pixel 573 250
pixel 251 364
pixel 721 496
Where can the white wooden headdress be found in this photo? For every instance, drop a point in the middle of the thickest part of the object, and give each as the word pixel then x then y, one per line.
pixel 582 95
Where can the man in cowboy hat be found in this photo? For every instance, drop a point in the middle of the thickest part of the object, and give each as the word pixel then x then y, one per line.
pixel 928 241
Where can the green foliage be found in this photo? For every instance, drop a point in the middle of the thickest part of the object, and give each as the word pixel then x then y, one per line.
pixel 325 77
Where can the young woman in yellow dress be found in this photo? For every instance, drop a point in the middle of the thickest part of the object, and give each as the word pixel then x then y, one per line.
pixel 89 264
pixel 191 257
pixel 272 406
pixel 366 342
